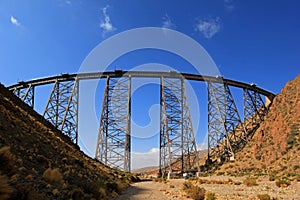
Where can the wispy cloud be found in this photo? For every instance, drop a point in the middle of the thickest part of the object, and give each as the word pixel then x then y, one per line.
pixel 228 4
pixel 14 21
pixel 167 23
pixel 146 159
pixel 106 24
pixel 68 2
pixel 209 27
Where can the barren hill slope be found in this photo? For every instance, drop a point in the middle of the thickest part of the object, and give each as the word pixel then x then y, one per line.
pixel 275 146
pixel 37 162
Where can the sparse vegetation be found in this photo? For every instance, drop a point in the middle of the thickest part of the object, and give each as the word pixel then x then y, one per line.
pixel 53 175
pixel 210 195
pixel 160 180
pixel 283 183
pixel 272 177
pixel 263 197
pixel 5 189
pixel 193 191
pixel 212 181
pixel 250 181
pixel 7 160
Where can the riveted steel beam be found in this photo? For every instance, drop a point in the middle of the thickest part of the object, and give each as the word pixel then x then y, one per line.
pixel 26 94
pixel 218 137
pixel 62 108
pixel 254 110
pixel 177 142
pixel 114 142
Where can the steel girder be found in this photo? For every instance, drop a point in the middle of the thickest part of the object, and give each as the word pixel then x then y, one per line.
pixel 226 132
pixel 114 142
pixel 26 94
pixel 62 108
pixel 254 110
pixel 177 140
pixel 189 150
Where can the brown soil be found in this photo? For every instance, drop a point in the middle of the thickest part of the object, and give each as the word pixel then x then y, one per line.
pixel 275 146
pixel 224 187
pixel 38 162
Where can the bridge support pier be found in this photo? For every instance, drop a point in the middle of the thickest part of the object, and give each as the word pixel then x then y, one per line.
pixel 226 132
pixel 254 110
pixel 62 108
pixel 26 94
pixel 114 143
pixel 177 142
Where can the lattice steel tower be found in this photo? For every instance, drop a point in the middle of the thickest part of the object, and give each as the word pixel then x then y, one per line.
pixel 113 145
pixel 62 108
pixel 178 152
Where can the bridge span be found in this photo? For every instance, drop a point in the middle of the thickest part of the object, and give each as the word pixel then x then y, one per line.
pixel 227 131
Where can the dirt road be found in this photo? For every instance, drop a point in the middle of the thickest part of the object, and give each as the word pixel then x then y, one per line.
pixel 224 187
pixel 144 190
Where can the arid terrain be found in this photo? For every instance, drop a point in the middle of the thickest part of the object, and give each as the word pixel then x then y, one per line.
pixel 38 162
pixel 223 187
pixel 267 167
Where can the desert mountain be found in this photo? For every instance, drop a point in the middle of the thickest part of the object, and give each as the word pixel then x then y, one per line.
pixel 38 162
pixel 275 147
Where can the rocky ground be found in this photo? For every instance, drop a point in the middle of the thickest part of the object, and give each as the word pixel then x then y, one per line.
pixel 38 162
pixel 224 187
pixel 271 157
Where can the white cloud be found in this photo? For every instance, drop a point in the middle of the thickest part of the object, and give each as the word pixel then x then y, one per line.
pixel 14 21
pixel 202 146
pixel 106 24
pixel 146 159
pixel 228 4
pixel 209 27
pixel 167 23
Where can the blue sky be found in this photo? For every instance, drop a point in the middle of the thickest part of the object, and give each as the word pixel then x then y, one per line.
pixel 251 41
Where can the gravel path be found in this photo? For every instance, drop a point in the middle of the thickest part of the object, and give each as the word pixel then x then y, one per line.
pixel 144 190
pixel 172 189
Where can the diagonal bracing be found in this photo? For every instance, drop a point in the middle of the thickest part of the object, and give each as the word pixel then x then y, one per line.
pixel 254 110
pixel 177 141
pixel 62 108
pixel 226 132
pixel 113 144
pixel 26 94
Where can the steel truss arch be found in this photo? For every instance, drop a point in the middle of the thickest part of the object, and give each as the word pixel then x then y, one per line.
pixel 227 132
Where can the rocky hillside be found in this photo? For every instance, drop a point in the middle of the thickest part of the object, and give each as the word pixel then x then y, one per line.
pixel 37 162
pixel 275 146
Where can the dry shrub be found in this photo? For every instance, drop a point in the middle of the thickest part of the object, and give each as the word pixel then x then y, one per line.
pixel 5 189
pixel 250 181
pixel 53 175
pixel 194 191
pixel 55 192
pixel 29 177
pixel 25 191
pixel 76 194
pixel 263 197
pixel 229 181
pixel 283 183
pixel 210 196
pixel 7 160
pixel 102 193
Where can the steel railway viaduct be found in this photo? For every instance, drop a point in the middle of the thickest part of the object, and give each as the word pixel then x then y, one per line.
pixel 227 132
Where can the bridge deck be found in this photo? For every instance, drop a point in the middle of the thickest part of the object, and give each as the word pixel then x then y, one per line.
pixel 140 74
